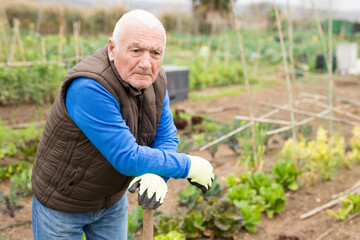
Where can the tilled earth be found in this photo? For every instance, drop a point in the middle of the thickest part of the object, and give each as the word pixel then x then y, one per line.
pixel 319 226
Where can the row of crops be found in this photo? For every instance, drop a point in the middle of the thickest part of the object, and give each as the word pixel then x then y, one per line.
pixel 212 60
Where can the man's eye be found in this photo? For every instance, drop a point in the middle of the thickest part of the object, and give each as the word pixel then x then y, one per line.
pixel 156 54
pixel 135 50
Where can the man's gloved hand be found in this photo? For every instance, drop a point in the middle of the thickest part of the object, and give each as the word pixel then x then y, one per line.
pixel 152 190
pixel 201 173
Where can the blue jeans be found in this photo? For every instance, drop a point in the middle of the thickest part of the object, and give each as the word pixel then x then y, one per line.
pixel 108 223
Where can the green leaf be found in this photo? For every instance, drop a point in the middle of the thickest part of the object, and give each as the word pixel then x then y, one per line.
pixel 294 186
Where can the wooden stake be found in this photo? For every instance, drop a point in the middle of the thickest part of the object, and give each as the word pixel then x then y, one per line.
pixel 352 123
pixel 19 40
pixel 76 26
pixel 355 186
pixel 216 141
pixel 258 163
pixel 283 129
pixel 12 47
pixel 336 110
pixel 325 206
pixel 148 224
pixel 288 81
pixel 331 82
pixel 60 45
pixel 43 50
pixel 16 38
pixel 290 32
pixel 320 30
pixel 263 120
pixel 338 99
pixel 4 36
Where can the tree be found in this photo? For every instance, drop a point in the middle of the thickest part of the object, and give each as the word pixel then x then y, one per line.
pixel 211 16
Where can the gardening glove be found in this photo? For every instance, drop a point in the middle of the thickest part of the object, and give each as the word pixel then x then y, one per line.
pixel 201 173
pixel 152 190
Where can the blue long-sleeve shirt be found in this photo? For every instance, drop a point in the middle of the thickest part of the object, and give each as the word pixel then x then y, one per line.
pixel 97 113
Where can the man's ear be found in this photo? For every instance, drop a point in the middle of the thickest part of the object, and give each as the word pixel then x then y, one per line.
pixel 111 49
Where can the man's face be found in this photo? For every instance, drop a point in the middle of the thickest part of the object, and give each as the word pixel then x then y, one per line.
pixel 139 54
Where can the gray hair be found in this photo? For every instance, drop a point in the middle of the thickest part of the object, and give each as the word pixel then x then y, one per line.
pixel 142 16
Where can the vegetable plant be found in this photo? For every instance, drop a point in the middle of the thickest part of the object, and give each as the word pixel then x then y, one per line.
pixel 184 146
pixel 231 180
pixel 318 158
pixel 192 195
pixel 135 218
pixel 351 205
pixel 251 214
pixel 274 199
pixel 14 168
pixel 22 182
pixel 248 156
pixel 8 203
pixel 173 235
pixel 214 217
pixel 221 216
pixel 354 155
pixel 285 173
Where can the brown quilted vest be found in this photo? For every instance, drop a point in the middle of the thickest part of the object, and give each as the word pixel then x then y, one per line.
pixel 69 173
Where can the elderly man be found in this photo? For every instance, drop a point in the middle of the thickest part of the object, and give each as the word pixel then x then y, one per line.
pixel 110 122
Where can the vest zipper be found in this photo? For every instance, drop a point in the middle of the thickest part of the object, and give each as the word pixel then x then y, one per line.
pixel 140 99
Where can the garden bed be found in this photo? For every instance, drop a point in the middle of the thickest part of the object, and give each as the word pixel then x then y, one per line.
pixel 299 202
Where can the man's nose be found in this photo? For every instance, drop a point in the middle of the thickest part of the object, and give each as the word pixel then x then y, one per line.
pixel 145 61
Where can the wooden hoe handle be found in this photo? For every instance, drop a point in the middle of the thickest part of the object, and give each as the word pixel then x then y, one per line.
pixel 148 224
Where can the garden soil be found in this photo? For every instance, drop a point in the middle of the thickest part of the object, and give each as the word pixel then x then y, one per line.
pixel 319 226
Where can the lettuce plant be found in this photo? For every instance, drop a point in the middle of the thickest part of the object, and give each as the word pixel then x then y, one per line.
pixel 285 173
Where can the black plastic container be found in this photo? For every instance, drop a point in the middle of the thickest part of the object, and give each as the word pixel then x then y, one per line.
pixel 177 82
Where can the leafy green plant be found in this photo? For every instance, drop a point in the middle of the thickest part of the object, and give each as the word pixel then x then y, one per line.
pixel 184 146
pixel 231 180
pixel 164 224
pixel 189 196
pixel 248 156
pixel 173 235
pixel 8 150
pixel 13 168
pixel 8 203
pixel 351 205
pixel 192 195
pixel 285 173
pixel 194 225
pixel 257 180
pixel 218 216
pixel 22 182
pixel 233 140
pixel 244 192
pixel 354 155
pixel 221 216
pixel 251 214
pixel 274 199
pixel 319 158
pixel 214 190
pixel 20 142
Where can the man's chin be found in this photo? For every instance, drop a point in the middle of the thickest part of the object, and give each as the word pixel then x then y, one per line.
pixel 141 84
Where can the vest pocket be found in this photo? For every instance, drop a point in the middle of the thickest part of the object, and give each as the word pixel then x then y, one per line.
pixel 70 183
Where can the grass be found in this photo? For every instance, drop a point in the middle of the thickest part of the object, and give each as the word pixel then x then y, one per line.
pixel 219 92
